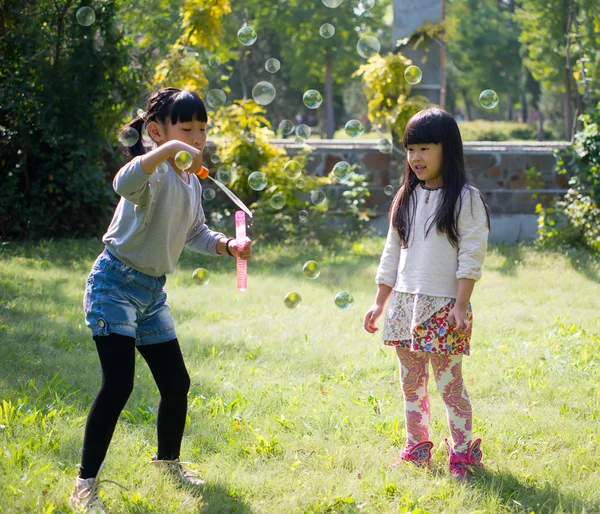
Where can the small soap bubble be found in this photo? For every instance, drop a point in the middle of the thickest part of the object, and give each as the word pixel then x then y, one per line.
pixel 365 5
pixel 300 183
pixel 183 160
pixel 303 216
pixel 224 174
pixel 85 16
pixel 303 131
pixel 286 127
pixel 388 190
pixel 278 201
pixel 312 99
pixel 251 137
pixel 293 169
pixel 257 180
pixel 214 61
pixel 209 194
pixel 318 197
pixel 201 276
pixel 272 65
pixel 141 113
pixel 344 300
pixel 216 98
pixel 354 128
pixel 298 140
pixel 489 99
pixel 247 36
pixel 368 46
pixel 342 170
pixel 385 145
pixel 292 300
pixel 162 168
pixel 413 75
pixel 332 4
pixel 129 137
pixel 215 158
pixel 327 30
pixel 263 93
pixel 311 269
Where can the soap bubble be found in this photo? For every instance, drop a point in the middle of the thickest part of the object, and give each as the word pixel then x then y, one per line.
pixel 272 65
pixel 141 113
pixel 368 46
pixel 489 99
pixel 277 201
pixel 85 16
pixel 299 141
pixel 317 197
pixel 413 74
pixel 344 300
pixel 354 128
pixel 303 131
pixel 224 174
pixel 385 146
pixel 209 194
pixel 129 137
pixel 342 170
pixel 365 5
pixel 300 183
pixel 247 36
pixel 263 93
pixel 286 127
pixel 311 269
pixel 183 160
pixel 214 61
pixel 388 190
pixel 312 99
pixel 251 137
pixel 257 180
pixel 303 216
pixel 201 276
pixel 162 168
pixel 215 158
pixel 327 30
pixel 293 169
pixel 216 98
pixel 292 300
pixel 332 4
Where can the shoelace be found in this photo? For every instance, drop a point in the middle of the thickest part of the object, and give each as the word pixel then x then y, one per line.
pixel 91 495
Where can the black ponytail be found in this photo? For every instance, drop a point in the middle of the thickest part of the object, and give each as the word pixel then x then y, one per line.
pixel 167 104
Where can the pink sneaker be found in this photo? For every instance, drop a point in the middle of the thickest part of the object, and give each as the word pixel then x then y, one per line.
pixel 419 454
pixel 462 463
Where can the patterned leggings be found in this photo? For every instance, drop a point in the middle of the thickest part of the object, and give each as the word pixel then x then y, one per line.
pixel 414 377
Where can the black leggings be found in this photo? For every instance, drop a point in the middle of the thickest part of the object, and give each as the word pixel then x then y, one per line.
pixel 117 358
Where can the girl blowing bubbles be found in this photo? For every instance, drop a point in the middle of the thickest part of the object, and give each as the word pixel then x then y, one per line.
pixel 160 212
pixel 435 248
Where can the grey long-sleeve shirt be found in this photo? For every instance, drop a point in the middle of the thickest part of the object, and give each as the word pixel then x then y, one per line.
pixel 156 217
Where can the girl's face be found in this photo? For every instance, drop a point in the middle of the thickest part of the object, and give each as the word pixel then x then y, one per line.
pixel 191 132
pixel 425 161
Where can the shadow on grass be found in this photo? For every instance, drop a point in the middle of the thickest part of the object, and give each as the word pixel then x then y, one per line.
pixel 217 500
pixel 513 256
pixel 518 496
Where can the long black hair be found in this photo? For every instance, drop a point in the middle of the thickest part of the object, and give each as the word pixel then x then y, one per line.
pixel 175 104
pixel 434 126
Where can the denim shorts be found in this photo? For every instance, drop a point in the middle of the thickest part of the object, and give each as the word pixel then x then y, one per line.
pixel 121 300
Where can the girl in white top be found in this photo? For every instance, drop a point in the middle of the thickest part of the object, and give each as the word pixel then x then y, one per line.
pixel 433 255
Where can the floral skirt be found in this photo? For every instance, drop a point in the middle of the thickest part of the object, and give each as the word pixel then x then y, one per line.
pixel 420 323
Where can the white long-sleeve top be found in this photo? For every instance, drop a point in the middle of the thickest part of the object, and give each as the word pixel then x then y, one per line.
pixel 156 217
pixel 431 265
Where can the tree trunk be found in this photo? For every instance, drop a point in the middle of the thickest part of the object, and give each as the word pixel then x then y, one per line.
pixel 509 107
pixel 568 107
pixel 540 132
pixel 524 113
pixel 467 100
pixel 329 115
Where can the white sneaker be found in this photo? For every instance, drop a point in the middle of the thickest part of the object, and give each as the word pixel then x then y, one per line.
pixel 85 497
pixel 176 469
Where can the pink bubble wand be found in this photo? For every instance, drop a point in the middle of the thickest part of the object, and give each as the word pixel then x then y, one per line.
pixel 240 237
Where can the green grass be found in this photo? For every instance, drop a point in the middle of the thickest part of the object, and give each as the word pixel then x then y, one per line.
pixel 301 411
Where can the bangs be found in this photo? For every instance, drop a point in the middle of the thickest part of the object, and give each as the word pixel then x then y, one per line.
pixel 187 106
pixel 424 127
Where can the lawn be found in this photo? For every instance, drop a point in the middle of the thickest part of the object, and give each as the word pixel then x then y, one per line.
pixel 300 411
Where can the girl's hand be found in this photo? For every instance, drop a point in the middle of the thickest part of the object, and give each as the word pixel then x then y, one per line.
pixel 243 250
pixel 179 146
pixel 371 317
pixel 457 319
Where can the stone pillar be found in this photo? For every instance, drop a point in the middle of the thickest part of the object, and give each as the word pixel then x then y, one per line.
pixel 409 16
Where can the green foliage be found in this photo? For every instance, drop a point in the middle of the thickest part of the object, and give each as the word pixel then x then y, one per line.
pixel 483 130
pixel 575 219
